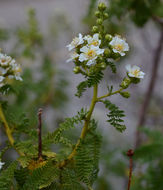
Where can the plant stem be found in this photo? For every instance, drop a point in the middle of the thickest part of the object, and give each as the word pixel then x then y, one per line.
pixel 156 61
pixel 110 94
pixel 8 131
pixel 130 154
pixel 6 126
pixel 85 127
pixel 39 134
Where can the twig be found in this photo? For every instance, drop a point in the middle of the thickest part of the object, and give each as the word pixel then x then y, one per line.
pixel 130 154
pixel 8 131
pixel 39 134
pixel 156 61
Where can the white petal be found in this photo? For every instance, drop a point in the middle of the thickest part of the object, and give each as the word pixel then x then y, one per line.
pixel 136 68
pixel 90 62
pixel 128 67
pixel 96 36
pixel 84 49
pixel 82 57
pixel 122 53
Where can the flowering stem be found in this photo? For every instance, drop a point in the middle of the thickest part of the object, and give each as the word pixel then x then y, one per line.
pixel 8 130
pixel 39 134
pixel 85 127
pixel 109 94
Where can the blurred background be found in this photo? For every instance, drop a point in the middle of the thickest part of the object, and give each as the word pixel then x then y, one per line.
pixel 36 33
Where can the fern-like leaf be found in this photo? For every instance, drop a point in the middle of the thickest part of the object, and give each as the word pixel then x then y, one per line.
pixel 7 176
pixel 115 116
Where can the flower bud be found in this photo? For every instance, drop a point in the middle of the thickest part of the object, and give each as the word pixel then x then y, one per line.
pixel 125 83
pixel 115 55
pixel 76 70
pixel 101 6
pixel 107 52
pixel 94 29
pixel 97 14
pixel 106 16
pixel 99 21
pixel 108 37
pixel 125 94
pixel 103 65
pixel 135 80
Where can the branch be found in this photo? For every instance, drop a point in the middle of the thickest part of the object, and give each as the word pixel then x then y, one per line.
pixel 8 131
pixel 39 134
pixel 130 154
pixel 156 61
pixel 109 94
pixel 84 129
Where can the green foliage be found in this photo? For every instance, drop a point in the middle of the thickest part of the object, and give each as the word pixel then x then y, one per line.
pixel 7 176
pixel 115 116
pixel 93 79
pixel 88 154
pixel 41 177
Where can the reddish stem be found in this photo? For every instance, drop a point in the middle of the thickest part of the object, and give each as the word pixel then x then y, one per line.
pixel 130 154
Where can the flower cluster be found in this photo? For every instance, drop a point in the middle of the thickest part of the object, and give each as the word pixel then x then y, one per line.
pixel 87 49
pixel 95 52
pixel 9 69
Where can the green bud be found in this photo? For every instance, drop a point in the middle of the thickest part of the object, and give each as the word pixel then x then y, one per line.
pixel 101 6
pixel 125 83
pixel 107 52
pixel 106 16
pixel 94 29
pixel 115 55
pixel 125 94
pixel 108 37
pixel 99 21
pixel 135 80
pixel 97 14
pixel 103 65
pixel 76 70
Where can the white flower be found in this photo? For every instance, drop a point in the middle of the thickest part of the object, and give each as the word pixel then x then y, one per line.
pixel 119 45
pixel 75 42
pixel 134 71
pixel 72 57
pixel 8 69
pixel 93 40
pixel 4 59
pixel 90 53
pixel 1 164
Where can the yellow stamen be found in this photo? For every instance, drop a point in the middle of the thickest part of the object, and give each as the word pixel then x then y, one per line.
pixel 94 43
pixel 119 47
pixel 91 53
pixel 135 72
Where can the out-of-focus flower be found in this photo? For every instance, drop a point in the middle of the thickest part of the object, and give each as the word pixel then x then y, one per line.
pixel 75 42
pixel 95 41
pixel 1 164
pixel 134 71
pixel 73 56
pixel 9 69
pixel 119 45
pixel 90 53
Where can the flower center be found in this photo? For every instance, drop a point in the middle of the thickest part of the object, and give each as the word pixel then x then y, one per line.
pixel 91 53
pixel 135 72
pixel 94 43
pixel 118 47
pixel 3 60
